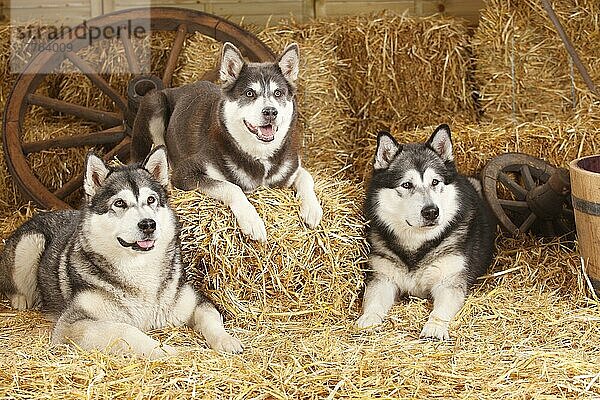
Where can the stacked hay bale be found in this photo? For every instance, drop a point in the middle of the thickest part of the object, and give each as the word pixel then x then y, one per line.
pixel 411 70
pixel 524 72
pixel 200 54
pixel 402 73
pixel 5 70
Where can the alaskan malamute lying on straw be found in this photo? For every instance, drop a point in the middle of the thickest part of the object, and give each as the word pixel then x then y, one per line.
pixel 431 234
pixel 113 269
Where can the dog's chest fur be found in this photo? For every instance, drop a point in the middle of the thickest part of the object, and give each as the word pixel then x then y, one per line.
pixel 436 265
pixel 145 286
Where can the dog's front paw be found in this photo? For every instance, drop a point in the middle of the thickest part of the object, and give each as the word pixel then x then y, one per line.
pixel 164 350
pixel 367 320
pixel 435 330
pixel 19 301
pixel 311 211
pixel 227 344
pixel 249 221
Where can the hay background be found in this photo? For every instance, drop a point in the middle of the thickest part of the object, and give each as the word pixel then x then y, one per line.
pixel 529 330
pixel 519 36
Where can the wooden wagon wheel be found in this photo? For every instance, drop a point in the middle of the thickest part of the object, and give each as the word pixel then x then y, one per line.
pixel 528 194
pixel 113 125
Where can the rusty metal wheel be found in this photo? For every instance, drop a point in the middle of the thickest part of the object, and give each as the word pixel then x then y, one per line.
pixel 528 195
pixel 111 127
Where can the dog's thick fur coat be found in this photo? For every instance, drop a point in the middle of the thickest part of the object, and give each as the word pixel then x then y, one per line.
pixel 431 234
pixel 227 141
pixel 113 269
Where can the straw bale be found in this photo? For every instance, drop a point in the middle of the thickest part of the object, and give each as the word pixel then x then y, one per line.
pixel 5 73
pixel 524 72
pixel 406 69
pixel 299 272
pixel 200 54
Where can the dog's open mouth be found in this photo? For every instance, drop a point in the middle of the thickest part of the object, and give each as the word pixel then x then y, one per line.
pixel 140 245
pixel 425 225
pixel 265 133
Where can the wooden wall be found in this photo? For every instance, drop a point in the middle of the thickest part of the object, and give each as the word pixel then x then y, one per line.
pixel 255 11
pixel 52 10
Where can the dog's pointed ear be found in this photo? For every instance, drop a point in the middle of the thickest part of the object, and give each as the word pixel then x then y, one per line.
pixel 289 62
pixel 156 163
pixel 387 148
pixel 95 174
pixel 231 63
pixel 441 142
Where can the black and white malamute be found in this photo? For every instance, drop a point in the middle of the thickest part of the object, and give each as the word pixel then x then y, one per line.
pixel 431 234
pixel 113 269
pixel 229 140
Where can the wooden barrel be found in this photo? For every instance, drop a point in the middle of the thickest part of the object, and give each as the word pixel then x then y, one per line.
pixel 585 192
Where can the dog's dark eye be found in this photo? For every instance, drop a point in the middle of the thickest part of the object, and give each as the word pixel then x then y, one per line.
pixel 250 93
pixel 120 204
pixel 434 182
pixel 407 185
pixel 277 93
pixel 151 200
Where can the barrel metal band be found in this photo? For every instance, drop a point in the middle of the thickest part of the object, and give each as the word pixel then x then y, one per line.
pixel 586 207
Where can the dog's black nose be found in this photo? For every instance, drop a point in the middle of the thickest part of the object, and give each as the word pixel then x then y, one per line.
pixel 269 112
pixel 147 225
pixel 430 213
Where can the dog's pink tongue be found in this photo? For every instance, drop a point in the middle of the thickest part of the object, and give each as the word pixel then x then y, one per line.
pixel 145 244
pixel 266 131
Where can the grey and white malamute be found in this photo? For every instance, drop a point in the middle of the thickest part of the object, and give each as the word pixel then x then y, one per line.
pixel 229 140
pixel 113 269
pixel 431 234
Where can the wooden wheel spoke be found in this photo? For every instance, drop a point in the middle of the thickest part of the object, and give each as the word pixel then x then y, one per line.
pixel 527 223
pixel 69 187
pixel 527 178
pixel 129 52
pixel 107 136
pixel 174 55
pixel 513 204
pixel 97 80
pixel 77 181
pixel 516 189
pixel 102 117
